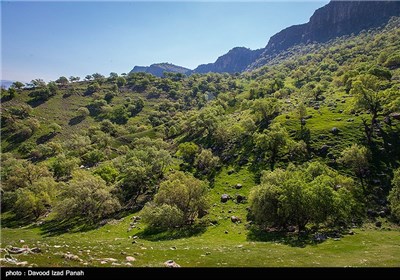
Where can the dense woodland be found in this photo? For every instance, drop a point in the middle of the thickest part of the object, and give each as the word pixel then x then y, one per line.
pixel 318 127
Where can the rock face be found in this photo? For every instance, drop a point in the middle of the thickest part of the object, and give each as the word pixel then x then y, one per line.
pixel 158 69
pixel 236 60
pixel 335 19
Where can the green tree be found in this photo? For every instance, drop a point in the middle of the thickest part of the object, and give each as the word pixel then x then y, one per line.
pixel 62 166
pixel 206 162
pixel 187 151
pixel 394 196
pixel 63 81
pixel 181 192
pixel 17 85
pixel 369 96
pixel 36 199
pixel 312 193
pixel 356 157
pixel 273 143
pixel 107 172
pixel 83 112
pixel 86 196
pixel 121 81
pixel 266 110
pixel 93 87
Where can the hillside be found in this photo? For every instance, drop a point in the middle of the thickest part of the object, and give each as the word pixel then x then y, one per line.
pixel 159 69
pixel 296 158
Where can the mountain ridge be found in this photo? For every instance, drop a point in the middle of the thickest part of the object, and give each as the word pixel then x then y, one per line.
pixel 335 19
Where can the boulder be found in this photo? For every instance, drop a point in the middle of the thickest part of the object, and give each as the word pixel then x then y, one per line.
pixel 235 219
pixel 291 228
pixel 319 237
pixel 395 115
pixel 130 259
pixel 171 264
pixel 335 131
pixel 224 198
pixel 240 198
pixel 324 149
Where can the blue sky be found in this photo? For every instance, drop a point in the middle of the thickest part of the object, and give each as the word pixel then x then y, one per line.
pixel 52 39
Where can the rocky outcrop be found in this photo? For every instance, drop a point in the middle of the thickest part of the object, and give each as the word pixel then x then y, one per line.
pixel 236 60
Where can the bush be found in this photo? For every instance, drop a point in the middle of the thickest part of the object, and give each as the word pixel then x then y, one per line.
pixel 86 196
pixel 394 196
pixel 300 195
pixel 36 199
pixel 393 61
pixel 83 112
pixel 181 195
pixel 164 216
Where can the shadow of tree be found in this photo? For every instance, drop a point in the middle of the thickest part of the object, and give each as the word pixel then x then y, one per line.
pixel 153 234
pixel 76 120
pixel 44 138
pixel 294 239
pixel 11 221
pixel 55 227
pixel 35 102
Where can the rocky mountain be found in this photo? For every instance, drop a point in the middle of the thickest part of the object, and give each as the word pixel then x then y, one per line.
pixel 158 69
pixel 236 60
pixel 335 19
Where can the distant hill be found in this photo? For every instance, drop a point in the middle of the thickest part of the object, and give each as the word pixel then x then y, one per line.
pixel 6 83
pixel 335 19
pixel 236 60
pixel 158 69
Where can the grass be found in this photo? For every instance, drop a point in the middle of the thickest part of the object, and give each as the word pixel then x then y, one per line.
pixel 220 244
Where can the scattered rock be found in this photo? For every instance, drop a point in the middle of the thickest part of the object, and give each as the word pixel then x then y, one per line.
pixel 378 224
pixel 319 237
pixel 238 186
pixel 235 219
pixel 224 198
pixel 226 232
pixel 115 264
pixel 231 171
pixel 350 120
pixel 103 262
pixel 372 213
pixel 130 259
pixel 291 228
pixel 171 263
pixel 109 259
pixel 229 211
pixel 351 232
pixel 335 131
pixel 240 198
pixel 395 115
pixel 22 241
pixel 72 257
pixel 336 239
pixel 382 214
pixel 173 248
pixel 324 149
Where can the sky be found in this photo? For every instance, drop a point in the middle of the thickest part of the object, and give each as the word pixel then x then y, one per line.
pixel 52 39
